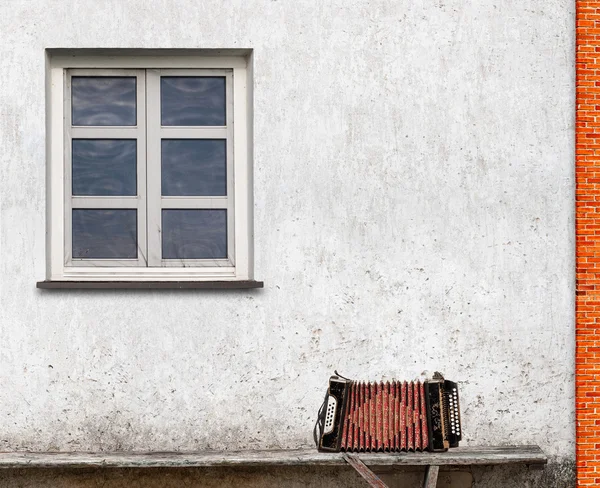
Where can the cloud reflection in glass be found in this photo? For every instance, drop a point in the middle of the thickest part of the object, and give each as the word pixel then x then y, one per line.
pixel 103 100
pixel 104 234
pixel 192 101
pixel 193 167
pixel 194 234
pixel 104 167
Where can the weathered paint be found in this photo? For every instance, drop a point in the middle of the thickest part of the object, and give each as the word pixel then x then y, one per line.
pixel 464 456
pixel 414 198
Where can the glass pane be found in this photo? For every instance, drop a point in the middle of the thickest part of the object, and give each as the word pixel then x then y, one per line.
pixel 105 234
pixel 103 100
pixel 104 167
pixel 192 100
pixel 194 234
pixel 193 167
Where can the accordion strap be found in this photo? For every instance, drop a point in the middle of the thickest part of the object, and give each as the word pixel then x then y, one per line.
pixel 320 423
pixel 340 376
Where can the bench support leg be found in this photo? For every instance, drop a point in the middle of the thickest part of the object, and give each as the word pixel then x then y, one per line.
pixel 431 476
pixel 364 471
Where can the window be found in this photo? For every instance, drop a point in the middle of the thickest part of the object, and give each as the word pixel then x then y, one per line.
pixel 149 166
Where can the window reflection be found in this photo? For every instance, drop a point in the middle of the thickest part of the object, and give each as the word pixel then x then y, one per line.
pixel 104 234
pixel 103 100
pixel 193 167
pixel 104 167
pixel 194 234
pixel 192 100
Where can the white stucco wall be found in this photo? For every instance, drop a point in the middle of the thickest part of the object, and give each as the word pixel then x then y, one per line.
pixel 414 200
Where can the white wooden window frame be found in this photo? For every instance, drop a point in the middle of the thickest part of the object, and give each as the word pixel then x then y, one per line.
pixel 148 132
pixel 137 202
pixel 158 133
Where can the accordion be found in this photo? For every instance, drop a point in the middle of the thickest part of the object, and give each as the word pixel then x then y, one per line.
pixel 389 417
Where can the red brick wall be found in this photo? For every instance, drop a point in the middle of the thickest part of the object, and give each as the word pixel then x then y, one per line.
pixel 588 242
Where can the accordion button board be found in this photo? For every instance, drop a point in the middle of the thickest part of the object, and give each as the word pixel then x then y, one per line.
pixel 390 417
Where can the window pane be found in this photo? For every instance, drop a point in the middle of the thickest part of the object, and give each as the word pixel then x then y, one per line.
pixel 194 234
pixel 104 234
pixel 104 167
pixel 193 167
pixel 192 100
pixel 103 100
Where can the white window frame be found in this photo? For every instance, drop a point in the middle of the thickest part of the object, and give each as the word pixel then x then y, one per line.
pixel 148 66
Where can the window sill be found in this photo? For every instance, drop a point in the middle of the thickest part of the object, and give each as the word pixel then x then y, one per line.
pixel 149 285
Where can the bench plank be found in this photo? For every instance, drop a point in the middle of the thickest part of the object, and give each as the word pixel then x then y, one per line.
pixel 285 457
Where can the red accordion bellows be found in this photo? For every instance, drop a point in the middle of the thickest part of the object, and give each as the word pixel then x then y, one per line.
pixel 385 417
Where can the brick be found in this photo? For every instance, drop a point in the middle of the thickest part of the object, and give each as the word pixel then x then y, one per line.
pixel 587 230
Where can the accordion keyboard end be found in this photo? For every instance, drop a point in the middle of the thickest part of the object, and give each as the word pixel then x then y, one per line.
pixel 333 415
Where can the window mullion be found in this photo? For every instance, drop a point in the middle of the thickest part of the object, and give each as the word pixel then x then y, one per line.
pixel 142 173
pixel 153 171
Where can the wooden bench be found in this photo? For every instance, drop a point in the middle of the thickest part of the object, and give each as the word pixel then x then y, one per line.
pixel 461 456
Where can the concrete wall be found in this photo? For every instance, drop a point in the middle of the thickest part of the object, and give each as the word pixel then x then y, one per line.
pixel 414 196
